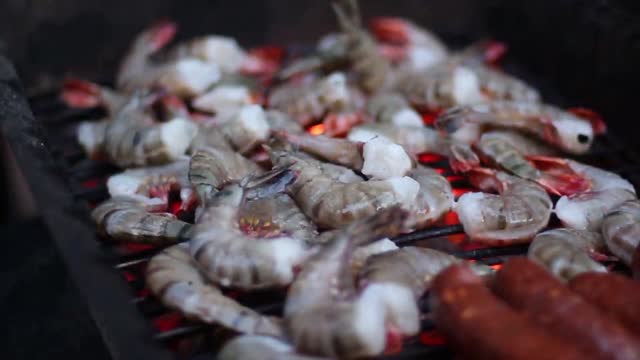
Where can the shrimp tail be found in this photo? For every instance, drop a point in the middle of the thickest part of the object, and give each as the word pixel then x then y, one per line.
pixel 158 35
pixel 462 158
pixel 386 223
pixel 390 29
pixel 598 124
pixel 557 175
pixel 81 94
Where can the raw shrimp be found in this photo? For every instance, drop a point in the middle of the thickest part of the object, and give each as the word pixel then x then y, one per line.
pixel 173 277
pixel 364 252
pixel 412 46
pixel 521 209
pixel 392 108
pixel 155 182
pixel 134 219
pixel 559 128
pixel 508 150
pixel 330 54
pixel 230 257
pixel 260 348
pixel 247 128
pixel 324 315
pixel 212 168
pixel 308 102
pixel 417 140
pixel 132 139
pixel 376 158
pixel 224 99
pixel 280 121
pixel 585 210
pixel 185 76
pixel 567 252
pixel 400 277
pixel 435 197
pixel 621 230
pixel 332 204
pixel 441 86
pixel 372 69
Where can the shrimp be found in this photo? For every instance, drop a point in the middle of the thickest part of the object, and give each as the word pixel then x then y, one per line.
pixel 184 76
pixel 324 315
pixel 407 43
pixel 212 168
pixel 435 197
pixel 247 128
pixel 567 252
pixel 621 230
pixel 375 158
pixel 224 99
pixel 400 277
pixel 559 128
pixel 332 204
pixel 310 101
pixel 362 51
pixel 392 108
pixel 441 86
pixel 417 140
pixel 521 209
pixel 585 210
pixel 281 122
pixel 260 348
pixel 154 182
pixel 133 219
pixel 173 277
pixel 508 150
pixel 230 257
pixel 132 139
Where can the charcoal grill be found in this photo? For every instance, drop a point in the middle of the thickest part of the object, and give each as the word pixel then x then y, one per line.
pixel 65 184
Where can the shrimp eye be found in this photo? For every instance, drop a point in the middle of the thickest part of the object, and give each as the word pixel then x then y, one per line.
pixel 583 139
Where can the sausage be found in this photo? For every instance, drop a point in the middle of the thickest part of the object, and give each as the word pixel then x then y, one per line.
pixel 480 326
pixel 533 290
pixel 614 294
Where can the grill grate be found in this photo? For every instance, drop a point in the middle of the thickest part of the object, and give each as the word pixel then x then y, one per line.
pixel 87 178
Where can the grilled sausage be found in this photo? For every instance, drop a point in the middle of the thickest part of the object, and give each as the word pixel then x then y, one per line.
pixel 616 295
pixel 533 290
pixel 480 326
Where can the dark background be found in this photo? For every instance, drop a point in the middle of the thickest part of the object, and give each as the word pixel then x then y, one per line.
pixel 582 53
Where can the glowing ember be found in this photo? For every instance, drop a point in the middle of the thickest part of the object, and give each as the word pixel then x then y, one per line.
pixel 496 266
pixel 457 192
pixel 454 178
pixel 128 276
pixel 430 158
pixel 90 184
pixel 167 322
pixel 451 218
pixel 432 338
pixel 317 129
pixel 429 117
pixel 175 207
pixel 133 247
pixel 393 341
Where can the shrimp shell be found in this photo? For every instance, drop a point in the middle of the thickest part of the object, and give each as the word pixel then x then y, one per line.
pixel 230 257
pixel 211 168
pixel 565 252
pixel 129 219
pixel 521 209
pixel 435 197
pixel 586 210
pixel 332 204
pixel 621 230
pixel 174 278
pixel 502 86
pixel 393 108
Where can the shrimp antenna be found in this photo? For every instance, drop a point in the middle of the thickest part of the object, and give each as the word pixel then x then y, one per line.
pixel 345 23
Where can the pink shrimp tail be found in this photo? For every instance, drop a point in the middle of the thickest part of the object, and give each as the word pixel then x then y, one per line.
pixel 160 34
pixel 390 29
pixel 174 106
pixel 494 52
pixel 558 177
pixel 393 53
pixel 81 94
pixel 264 60
pixel 598 124
pixel 485 179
